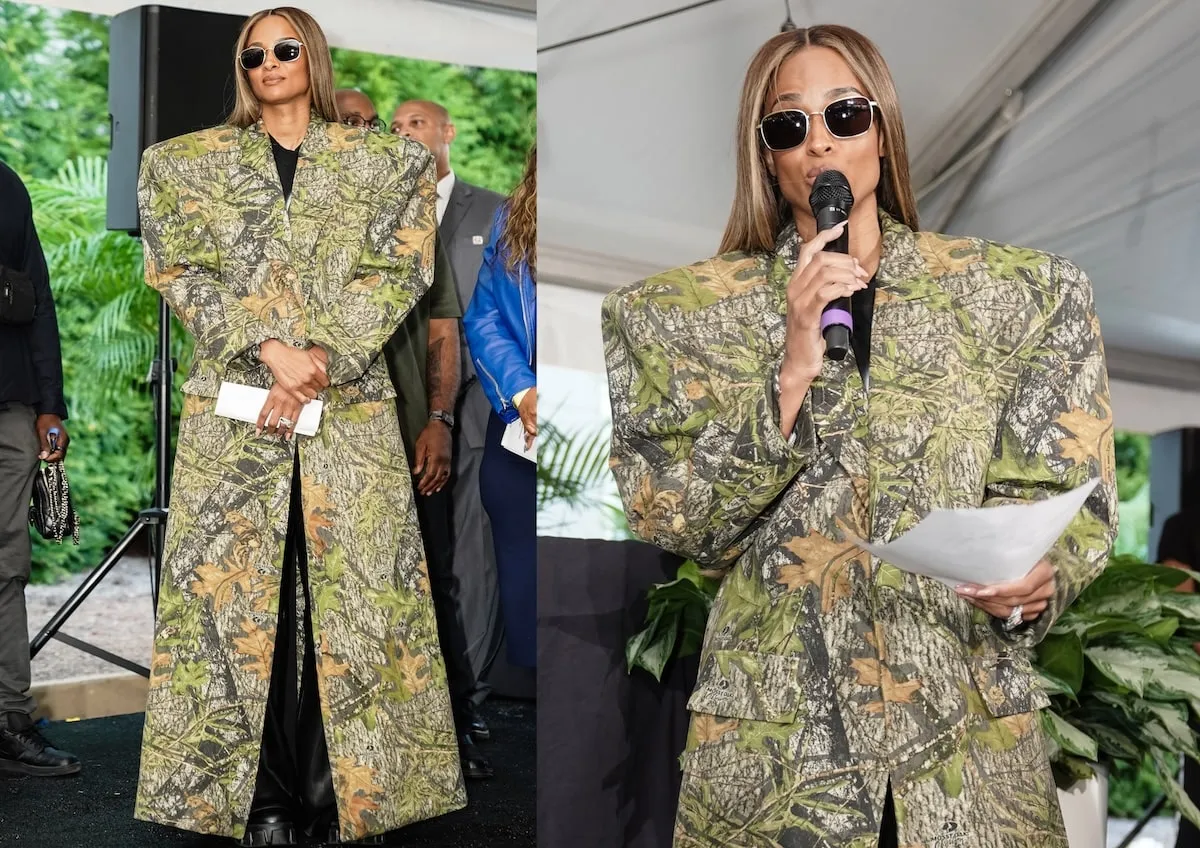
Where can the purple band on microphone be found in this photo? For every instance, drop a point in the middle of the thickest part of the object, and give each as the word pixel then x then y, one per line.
pixel 836 316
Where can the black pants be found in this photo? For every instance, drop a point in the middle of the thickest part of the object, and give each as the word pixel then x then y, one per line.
pixel 293 768
pixel 434 515
pixel 888 835
pixel 18 464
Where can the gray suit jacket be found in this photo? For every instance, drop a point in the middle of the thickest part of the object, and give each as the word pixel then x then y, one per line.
pixel 464 232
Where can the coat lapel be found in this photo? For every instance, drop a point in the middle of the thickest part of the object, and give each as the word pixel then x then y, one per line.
pixel 315 191
pixel 891 428
pixel 287 234
pixel 456 210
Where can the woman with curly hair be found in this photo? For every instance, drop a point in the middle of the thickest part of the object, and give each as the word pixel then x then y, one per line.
pixel 501 329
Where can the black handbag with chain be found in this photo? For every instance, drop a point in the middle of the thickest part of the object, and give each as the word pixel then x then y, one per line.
pixel 18 304
pixel 50 511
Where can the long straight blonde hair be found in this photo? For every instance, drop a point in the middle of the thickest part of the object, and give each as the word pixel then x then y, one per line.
pixel 759 208
pixel 247 110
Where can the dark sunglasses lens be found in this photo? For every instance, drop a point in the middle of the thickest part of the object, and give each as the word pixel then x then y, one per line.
pixel 287 51
pixel 785 130
pixel 252 57
pixel 848 118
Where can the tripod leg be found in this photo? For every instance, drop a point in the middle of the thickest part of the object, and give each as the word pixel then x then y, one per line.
pixel 85 589
pixel 157 541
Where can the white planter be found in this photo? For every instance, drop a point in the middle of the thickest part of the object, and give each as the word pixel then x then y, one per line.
pixel 1085 811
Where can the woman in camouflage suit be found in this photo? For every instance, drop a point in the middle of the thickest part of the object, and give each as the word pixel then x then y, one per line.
pixel 296 678
pixel 841 701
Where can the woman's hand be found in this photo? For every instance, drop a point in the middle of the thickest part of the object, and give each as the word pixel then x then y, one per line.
pixel 527 409
pixel 1032 593
pixel 299 372
pixel 279 414
pixel 819 279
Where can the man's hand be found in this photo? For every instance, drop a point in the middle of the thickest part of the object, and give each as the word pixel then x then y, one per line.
pixel 44 424
pixel 433 455
pixel 1032 593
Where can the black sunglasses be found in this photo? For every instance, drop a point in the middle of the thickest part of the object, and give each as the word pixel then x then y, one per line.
pixel 285 50
pixel 848 117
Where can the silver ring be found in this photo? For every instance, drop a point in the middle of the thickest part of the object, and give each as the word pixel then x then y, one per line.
pixel 1015 618
pixel 286 422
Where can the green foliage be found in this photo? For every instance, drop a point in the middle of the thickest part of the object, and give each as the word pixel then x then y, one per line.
pixel 1123 677
pixel 107 322
pixel 1133 535
pixel 1133 463
pixel 492 110
pixel 675 620
pixel 54 97
pixel 1132 788
pixel 53 87
pixel 570 467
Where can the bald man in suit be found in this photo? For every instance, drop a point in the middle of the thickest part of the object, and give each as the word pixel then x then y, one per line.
pixel 465 214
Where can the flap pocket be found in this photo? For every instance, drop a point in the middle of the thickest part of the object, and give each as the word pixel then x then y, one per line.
pixel 1007 683
pixel 741 684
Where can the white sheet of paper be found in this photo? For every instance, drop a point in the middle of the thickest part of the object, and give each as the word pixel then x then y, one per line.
pixel 982 546
pixel 514 440
pixel 244 403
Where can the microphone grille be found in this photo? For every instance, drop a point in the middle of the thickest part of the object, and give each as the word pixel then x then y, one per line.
pixel 831 188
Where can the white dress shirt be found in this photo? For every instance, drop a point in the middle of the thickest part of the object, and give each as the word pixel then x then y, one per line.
pixel 444 186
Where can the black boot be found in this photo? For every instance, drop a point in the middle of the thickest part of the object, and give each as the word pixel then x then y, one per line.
pixel 335 838
pixel 272 819
pixel 24 752
pixel 269 827
pixel 474 724
pixel 475 765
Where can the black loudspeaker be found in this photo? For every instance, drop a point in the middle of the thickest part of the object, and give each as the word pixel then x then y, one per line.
pixel 170 72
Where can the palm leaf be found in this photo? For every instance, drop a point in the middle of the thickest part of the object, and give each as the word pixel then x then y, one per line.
pixel 571 468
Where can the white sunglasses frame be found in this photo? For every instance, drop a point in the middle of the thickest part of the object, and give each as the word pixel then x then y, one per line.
pixel 270 49
pixel 809 115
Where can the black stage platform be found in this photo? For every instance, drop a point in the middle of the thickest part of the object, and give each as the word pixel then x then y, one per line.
pixel 95 808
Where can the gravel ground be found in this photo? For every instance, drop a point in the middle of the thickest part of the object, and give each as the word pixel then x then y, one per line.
pixel 117 616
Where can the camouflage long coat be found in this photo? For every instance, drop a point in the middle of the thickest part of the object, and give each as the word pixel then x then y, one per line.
pixel 339 265
pixel 825 673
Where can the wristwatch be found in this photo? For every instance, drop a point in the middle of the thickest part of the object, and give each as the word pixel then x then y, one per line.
pixel 446 418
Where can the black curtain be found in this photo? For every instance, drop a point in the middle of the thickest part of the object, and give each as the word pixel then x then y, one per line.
pixel 608 742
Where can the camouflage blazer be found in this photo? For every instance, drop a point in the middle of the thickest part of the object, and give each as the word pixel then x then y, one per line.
pixel 227 250
pixel 340 265
pixel 826 674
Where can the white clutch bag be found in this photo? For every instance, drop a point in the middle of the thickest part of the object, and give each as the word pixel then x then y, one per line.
pixel 244 403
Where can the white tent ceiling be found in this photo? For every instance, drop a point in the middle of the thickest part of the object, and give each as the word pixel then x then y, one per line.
pixel 636 141
pixel 482 33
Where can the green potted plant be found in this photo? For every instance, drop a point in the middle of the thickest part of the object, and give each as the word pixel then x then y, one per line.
pixel 1122 673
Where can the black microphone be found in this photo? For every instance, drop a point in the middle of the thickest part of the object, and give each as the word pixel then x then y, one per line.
pixel 831 201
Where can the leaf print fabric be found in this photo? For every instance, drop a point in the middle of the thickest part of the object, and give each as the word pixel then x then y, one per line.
pixel 826 674
pixel 339 266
